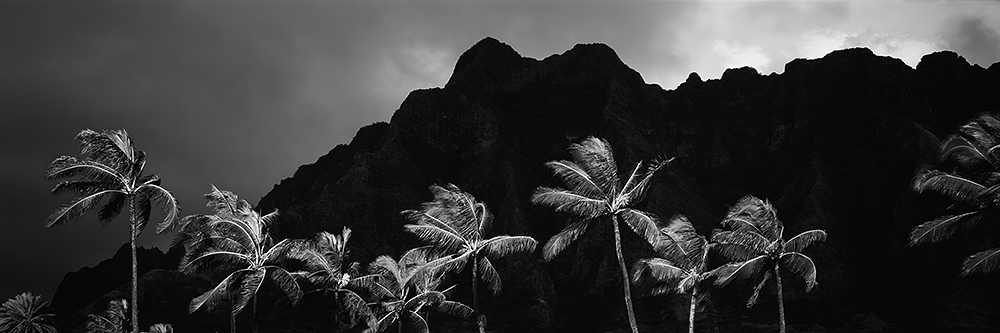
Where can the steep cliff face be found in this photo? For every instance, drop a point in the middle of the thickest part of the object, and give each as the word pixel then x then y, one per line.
pixel 832 142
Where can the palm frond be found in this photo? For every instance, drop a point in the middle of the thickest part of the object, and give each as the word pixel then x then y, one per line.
pixel 68 166
pixel 162 199
pixel 596 158
pixel 455 207
pixel 112 208
pixel 758 288
pixel 485 220
pixel 560 241
pixel 965 152
pixel 501 246
pixel 357 308
pixel 565 201
pixel 489 275
pixel 415 322
pixel 286 283
pixel 382 324
pixel 576 179
pixel 455 309
pixel 941 228
pixel 800 265
pixel 956 187
pixel 982 262
pixel 753 242
pixel 446 240
pixel 112 320
pixel 637 183
pixel 660 270
pixel 740 270
pixel 210 299
pixel 76 208
pixel 804 239
pixel 642 223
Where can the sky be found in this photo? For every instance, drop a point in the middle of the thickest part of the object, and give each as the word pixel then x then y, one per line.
pixel 239 94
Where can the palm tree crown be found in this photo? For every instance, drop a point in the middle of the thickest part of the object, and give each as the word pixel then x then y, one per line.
pixel 25 313
pixel 406 286
pixel 333 275
pixel 456 224
pixel 974 184
pixel 594 191
pixel 236 237
pixel 755 241
pixel 111 171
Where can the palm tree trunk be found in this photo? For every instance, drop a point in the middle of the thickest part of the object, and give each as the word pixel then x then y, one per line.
pixel 781 302
pixel 475 293
pixel 135 266
pixel 399 324
pixel 625 281
pixel 232 314
pixel 254 314
pixel 694 297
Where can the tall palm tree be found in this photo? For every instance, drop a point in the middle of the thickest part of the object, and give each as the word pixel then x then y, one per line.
pixel 755 241
pixel 111 171
pixel 337 277
pixel 682 265
pixel 974 186
pixel 456 224
pixel 26 313
pixel 235 239
pixel 405 287
pixel 596 193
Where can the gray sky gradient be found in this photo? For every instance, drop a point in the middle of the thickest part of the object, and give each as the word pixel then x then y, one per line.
pixel 239 94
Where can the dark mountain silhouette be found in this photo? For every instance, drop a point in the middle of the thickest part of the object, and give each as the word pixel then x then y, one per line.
pixel 832 142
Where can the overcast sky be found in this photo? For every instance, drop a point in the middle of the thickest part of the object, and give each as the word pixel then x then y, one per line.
pixel 240 94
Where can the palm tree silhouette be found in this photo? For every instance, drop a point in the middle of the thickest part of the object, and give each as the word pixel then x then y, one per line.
pixel 974 185
pixel 25 313
pixel 682 265
pixel 456 224
pixel 111 171
pixel 235 238
pixel 337 277
pixel 404 287
pixel 755 242
pixel 596 193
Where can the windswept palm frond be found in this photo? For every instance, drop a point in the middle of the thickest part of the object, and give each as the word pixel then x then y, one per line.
pixel 565 201
pixel 982 262
pixel 564 238
pixel 800 265
pixel 942 227
pixel 953 186
pixel 804 239
pixel 740 270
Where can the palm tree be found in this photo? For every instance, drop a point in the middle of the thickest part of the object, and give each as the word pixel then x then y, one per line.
pixel 333 276
pixel 755 242
pixel 596 192
pixel 25 313
pixel 974 186
pixel 113 320
pixel 406 286
pixel 111 171
pixel 455 223
pixel 682 264
pixel 235 238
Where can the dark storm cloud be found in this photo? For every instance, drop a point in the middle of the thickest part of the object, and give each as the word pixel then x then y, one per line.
pixel 976 40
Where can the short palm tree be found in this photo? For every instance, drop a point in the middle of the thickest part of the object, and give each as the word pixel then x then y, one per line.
pixel 337 277
pixel 235 239
pixel 113 320
pixel 595 192
pixel 682 265
pixel 111 171
pixel 25 313
pixel 974 186
pixel 403 288
pixel 456 224
pixel 755 241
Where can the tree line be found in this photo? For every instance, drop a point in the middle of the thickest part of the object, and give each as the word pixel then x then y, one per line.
pixel 234 240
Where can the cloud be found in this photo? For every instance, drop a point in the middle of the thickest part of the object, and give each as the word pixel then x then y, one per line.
pixel 734 55
pixel 975 39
